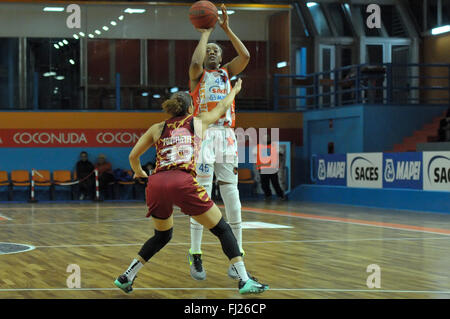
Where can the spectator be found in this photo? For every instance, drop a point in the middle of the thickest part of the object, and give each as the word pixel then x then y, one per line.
pixel 148 168
pixel 105 173
pixel 83 168
pixel 268 166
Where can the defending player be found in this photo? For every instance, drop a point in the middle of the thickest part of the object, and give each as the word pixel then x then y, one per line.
pixel 173 183
pixel 210 83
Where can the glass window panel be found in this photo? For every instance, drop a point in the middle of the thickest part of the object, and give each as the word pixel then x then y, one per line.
pixel 342 26
pixel 53 73
pixel 9 73
pixel 392 22
pixel 319 19
pixel 445 12
pixel 374 54
pixel 432 14
pixel 101 90
pixel 158 62
pixel 128 64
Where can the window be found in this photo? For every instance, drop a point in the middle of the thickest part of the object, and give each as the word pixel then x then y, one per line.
pixel 340 21
pixel 9 73
pixel 53 73
pixel 319 19
pixel 392 22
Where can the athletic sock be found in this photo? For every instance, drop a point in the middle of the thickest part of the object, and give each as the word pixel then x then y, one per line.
pixel 132 271
pixel 241 271
pixel 196 237
pixel 236 228
pixel 197 229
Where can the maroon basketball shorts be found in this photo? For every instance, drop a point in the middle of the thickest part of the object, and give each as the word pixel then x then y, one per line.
pixel 175 187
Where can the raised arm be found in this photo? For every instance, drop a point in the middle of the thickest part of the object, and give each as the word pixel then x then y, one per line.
pixel 196 67
pixel 208 118
pixel 238 64
pixel 142 145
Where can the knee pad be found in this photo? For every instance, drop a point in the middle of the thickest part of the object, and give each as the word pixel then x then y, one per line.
pixel 155 244
pixel 229 244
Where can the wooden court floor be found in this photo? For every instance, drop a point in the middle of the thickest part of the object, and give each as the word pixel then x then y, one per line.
pixel 322 251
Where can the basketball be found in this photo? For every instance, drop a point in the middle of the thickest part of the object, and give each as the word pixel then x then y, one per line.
pixel 203 14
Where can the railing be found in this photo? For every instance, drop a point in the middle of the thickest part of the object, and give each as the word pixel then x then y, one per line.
pixel 386 83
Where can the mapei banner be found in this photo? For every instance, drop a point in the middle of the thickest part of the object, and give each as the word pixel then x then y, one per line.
pixel 402 170
pixel 69 137
pixel 331 169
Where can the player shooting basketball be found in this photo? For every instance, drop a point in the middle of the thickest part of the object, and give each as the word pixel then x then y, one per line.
pixel 210 83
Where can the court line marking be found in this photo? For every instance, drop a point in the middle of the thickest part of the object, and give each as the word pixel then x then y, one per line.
pixel 234 289
pixel 30 248
pixel 258 242
pixel 361 222
pixel 86 222
pixel 62 207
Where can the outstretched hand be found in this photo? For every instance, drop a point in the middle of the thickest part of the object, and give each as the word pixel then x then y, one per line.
pixel 223 22
pixel 237 87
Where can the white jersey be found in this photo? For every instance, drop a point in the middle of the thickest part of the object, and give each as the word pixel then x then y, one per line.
pixel 214 86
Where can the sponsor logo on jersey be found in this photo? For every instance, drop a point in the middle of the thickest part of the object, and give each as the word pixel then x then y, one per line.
pixel 216 89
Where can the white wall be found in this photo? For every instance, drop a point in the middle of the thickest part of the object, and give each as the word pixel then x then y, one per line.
pixel 158 22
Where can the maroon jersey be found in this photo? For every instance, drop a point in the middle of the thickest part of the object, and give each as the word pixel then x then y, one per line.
pixel 176 148
pixel 175 184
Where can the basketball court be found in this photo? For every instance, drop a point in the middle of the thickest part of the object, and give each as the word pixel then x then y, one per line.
pixel 301 250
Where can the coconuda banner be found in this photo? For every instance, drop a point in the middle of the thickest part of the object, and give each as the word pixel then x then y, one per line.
pixel 69 137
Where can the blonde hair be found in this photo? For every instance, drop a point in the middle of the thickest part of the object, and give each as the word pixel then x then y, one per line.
pixel 178 104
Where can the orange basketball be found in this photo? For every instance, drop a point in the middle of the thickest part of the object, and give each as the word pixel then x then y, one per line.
pixel 203 14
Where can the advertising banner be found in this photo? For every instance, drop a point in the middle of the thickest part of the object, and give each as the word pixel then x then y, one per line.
pixel 365 170
pixel 402 170
pixel 69 137
pixel 436 171
pixel 331 169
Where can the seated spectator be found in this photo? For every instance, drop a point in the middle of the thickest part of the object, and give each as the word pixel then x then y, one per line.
pixel 148 168
pixel 83 168
pixel 105 173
